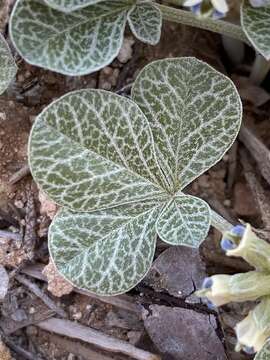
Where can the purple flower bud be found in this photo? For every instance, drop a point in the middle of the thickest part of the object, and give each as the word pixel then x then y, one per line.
pixel 227 244
pixel 218 15
pixel 238 230
pixel 210 305
pixel 249 350
pixel 196 9
pixel 207 283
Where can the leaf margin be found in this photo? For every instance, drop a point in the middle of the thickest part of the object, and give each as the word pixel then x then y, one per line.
pixel 63 72
pixel 240 106
pixel 12 71
pixel 134 31
pixel 207 227
pixel 83 288
pixel 250 38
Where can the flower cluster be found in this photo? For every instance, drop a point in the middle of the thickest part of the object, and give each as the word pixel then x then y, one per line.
pixel 253 331
pixel 216 8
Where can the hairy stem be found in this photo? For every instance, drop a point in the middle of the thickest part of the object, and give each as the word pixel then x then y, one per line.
pixel 174 2
pixel 259 70
pixel 218 222
pixel 217 26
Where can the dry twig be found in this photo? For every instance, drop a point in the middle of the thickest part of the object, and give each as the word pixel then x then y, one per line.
pixel 19 175
pixel 125 302
pixel 77 348
pixel 94 337
pixel 18 349
pixel 259 194
pixel 30 235
pixel 10 235
pixel 39 293
pixel 258 150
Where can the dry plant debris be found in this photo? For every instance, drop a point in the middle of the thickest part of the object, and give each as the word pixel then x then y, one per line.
pixel 57 285
pixel 4 352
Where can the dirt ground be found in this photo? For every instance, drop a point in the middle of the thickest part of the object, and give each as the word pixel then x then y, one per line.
pixel 160 315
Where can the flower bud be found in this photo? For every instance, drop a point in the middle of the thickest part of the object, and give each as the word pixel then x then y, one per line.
pixel 222 289
pixel 249 246
pixel 254 330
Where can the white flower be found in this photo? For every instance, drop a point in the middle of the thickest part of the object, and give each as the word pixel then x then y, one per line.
pixel 215 8
pixel 254 330
pixel 222 289
pixel 242 242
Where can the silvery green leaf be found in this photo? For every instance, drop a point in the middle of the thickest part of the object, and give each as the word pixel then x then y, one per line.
pixel 145 21
pixel 74 43
pixel 8 67
pixel 264 353
pixel 93 149
pixel 185 220
pixel 195 115
pixel 70 5
pixel 107 252
pixel 256 25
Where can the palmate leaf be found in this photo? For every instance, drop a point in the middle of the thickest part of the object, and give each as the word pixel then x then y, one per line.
pixel 184 221
pixel 107 252
pixel 97 154
pixel 264 353
pixel 194 112
pixel 70 5
pixel 74 43
pixel 145 21
pixel 256 25
pixel 8 67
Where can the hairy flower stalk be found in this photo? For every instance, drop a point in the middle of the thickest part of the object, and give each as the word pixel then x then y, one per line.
pixel 253 331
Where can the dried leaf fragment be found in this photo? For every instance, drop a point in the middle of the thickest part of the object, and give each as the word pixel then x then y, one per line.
pixel 4 352
pixel 57 285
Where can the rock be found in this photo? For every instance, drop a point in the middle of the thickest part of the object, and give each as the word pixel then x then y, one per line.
pixel 19 315
pixel 10 254
pixel 134 337
pixel 57 285
pixel 243 201
pixel 4 281
pixel 47 206
pixel 125 53
pixel 123 320
pixel 184 334
pixel 177 270
pixel 4 352
pixel 108 78
pixel 250 92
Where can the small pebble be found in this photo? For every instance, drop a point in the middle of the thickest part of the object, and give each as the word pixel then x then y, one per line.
pixel 32 310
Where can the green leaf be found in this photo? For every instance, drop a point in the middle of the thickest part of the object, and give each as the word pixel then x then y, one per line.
pixel 76 43
pixel 97 154
pixel 145 21
pixel 195 115
pixel 70 5
pixel 184 221
pixel 256 25
pixel 8 67
pixel 92 149
pixel 106 252
pixel 264 353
